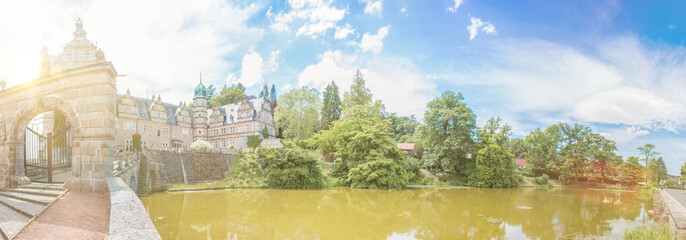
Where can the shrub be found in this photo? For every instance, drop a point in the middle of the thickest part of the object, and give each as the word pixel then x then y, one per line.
pixel 245 167
pixel 137 142
pixel 380 173
pixel 413 167
pixel 564 179
pixel 201 146
pixel 542 180
pixel 290 168
pixel 254 141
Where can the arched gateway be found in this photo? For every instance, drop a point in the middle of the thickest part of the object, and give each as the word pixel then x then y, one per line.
pixel 79 85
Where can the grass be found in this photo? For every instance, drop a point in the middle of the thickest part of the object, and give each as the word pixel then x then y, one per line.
pixel 653 232
pixel 214 185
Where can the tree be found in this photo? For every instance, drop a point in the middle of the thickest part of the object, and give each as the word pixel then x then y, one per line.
pixel 59 125
pixel 254 141
pixel 331 111
pixel 272 94
pixel 542 153
pixel 202 146
pixel 265 132
pixel 683 173
pixel 494 165
pixel 211 91
pixel 649 153
pixel 290 168
pixel 658 170
pixel 404 128
pixel 136 141
pixel 359 94
pixel 630 172
pixel 602 151
pixel 363 141
pixel 298 113
pixel 518 147
pixel 449 135
pixel 227 95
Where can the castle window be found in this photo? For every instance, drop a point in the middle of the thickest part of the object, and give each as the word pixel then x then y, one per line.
pixel 199 132
pixel 159 116
pixel 143 128
pixel 223 131
pixel 245 142
pixel 185 132
pixel 158 132
pixel 232 130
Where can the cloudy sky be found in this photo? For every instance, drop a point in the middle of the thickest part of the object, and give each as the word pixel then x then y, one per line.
pixel 616 66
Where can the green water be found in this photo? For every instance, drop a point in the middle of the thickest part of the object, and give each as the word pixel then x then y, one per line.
pixel 344 213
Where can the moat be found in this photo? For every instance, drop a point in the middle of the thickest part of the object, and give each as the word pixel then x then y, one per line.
pixel 345 213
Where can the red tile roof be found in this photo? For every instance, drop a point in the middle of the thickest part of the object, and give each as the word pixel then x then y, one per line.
pixel 520 162
pixel 406 146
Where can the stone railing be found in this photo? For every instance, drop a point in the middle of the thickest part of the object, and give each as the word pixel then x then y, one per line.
pixel 123 161
pixel 676 214
pixel 128 217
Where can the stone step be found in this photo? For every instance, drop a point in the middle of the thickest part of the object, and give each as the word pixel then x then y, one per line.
pixel 41 192
pixel 45 186
pixel 28 209
pixel 11 222
pixel 42 200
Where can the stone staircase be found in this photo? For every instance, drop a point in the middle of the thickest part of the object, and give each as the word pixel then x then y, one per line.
pixel 20 205
pixel 143 174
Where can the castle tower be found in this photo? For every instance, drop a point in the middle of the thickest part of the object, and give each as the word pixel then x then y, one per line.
pixel 200 100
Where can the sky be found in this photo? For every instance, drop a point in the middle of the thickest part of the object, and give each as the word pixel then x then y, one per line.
pixel 616 66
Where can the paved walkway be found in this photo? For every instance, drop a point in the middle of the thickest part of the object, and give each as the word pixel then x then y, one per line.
pixel 77 215
pixel 678 195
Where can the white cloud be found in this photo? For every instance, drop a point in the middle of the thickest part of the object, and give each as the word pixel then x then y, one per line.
pixel 272 64
pixel 251 69
pixel 150 41
pixel 374 43
pixel 477 25
pixel 343 32
pixel 373 7
pixel 455 6
pixel 403 11
pixel 390 80
pixel 312 17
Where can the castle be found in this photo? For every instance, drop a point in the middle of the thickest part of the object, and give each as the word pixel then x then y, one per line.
pixel 167 125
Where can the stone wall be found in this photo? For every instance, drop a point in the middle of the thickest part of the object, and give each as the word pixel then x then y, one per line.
pixel 180 166
pixel 210 166
pixel 667 207
pixel 126 165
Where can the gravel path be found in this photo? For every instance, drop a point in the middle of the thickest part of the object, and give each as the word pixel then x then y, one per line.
pixel 77 215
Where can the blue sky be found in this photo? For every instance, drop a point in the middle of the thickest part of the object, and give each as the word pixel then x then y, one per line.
pixel 616 66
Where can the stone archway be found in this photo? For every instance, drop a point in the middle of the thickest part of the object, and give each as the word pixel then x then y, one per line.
pixel 21 120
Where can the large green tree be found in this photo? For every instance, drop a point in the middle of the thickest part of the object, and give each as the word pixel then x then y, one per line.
pixel 542 153
pixel 359 94
pixel 518 147
pixel 449 135
pixel 630 172
pixel 657 170
pixel 603 156
pixel 227 95
pixel 298 113
pixel 368 156
pixel 649 154
pixel 331 110
pixel 404 128
pixel 272 94
pixel 494 165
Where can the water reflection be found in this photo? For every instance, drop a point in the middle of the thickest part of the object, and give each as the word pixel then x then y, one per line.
pixel 344 213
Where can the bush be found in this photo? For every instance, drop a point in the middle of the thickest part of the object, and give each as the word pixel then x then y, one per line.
pixel 246 168
pixel 542 180
pixel 254 141
pixel 201 146
pixel 290 168
pixel 564 179
pixel 413 167
pixel 137 142
pixel 380 173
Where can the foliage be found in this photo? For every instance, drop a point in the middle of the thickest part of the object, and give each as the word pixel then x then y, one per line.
pixel 419 150
pixel 649 154
pixel 518 147
pixel 542 154
pixel 657 171
pixel 290 168
pixel 683 173
pixel 298 113
pixel 265 132
pixel 359 94
pixel 369 157
pixel 59 125
pixel 542 180
pixel 245 167
pixel 227 95
pixel 272 94
pixel 404 128
pixel 137 142
pixel 448 135
pixel 564 179
pixel 654 232
pixel 494 165
pixel 202 146
pixel 331 110
pixel 254 141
